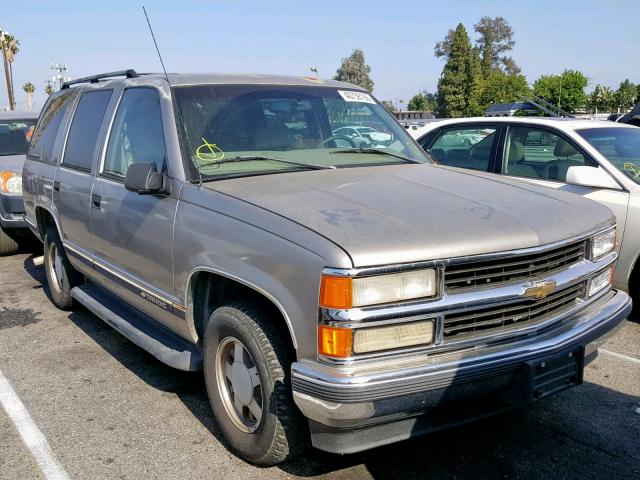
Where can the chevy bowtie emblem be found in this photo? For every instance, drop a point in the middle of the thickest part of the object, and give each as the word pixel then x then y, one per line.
pixel 540 289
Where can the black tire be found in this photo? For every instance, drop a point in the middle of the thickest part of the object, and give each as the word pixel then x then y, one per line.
pixel 8 245
pixel 281 432
pixel 61 283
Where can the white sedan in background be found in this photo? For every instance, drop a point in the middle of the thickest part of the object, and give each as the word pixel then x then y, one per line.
pixel 596 159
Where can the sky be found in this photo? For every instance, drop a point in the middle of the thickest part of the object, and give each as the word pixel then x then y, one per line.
pixel 288 37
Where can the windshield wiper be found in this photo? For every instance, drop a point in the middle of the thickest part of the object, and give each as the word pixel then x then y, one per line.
pixel 248 158
pixel 376 151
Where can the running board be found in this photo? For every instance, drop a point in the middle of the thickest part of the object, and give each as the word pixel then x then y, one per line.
pixel 141 330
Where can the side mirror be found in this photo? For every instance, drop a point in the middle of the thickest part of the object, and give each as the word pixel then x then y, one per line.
pixel 144 179
pixel 594 177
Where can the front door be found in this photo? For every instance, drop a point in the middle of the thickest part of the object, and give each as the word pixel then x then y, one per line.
pixel 133 234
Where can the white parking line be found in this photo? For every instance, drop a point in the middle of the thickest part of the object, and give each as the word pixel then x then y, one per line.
pixel 619 355
pixel 30 433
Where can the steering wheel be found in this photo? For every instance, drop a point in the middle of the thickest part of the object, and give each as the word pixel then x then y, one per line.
pixel 333 138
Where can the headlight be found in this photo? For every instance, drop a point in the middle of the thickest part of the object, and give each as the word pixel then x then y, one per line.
pixel 340 342
pixel 600 281
pixel 10 182
pixel 603 243
pixel 347 292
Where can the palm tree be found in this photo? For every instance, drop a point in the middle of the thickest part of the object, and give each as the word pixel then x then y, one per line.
pixel 49 88
pixel 10 47
pixel 29 88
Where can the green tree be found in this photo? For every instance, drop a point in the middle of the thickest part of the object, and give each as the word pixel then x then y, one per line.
pixel 460 85
pixel 500 87
pixel 422 101
pixel 355 70
pixel 566 91
pixel 626 95
pixel 388 104
pixel 495 41
pixel 602 99
pixel 49 89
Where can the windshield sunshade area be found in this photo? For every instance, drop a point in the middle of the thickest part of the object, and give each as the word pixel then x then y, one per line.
pixel 621 146
pixel 241 130
pixel 15 136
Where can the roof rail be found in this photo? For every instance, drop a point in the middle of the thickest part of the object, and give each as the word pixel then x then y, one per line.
pixel 130 73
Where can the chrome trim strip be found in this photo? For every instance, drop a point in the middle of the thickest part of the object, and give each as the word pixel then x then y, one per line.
pixel 96 263
pixel 359 317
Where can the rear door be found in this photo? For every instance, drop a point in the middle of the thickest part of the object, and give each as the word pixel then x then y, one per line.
pixel 43 155
pixel 74 178
pixel 464 146
pixel 132 233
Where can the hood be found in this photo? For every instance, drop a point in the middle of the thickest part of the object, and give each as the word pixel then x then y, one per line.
pixel 406 213
pixel 13 163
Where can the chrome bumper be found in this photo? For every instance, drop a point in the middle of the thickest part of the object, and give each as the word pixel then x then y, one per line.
pixel 384 391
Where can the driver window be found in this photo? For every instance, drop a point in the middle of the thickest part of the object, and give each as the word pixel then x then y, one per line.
pixel 468 147
pixel 539 153
pixel 136 135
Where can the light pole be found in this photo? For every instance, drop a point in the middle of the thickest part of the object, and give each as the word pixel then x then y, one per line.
pixel 61 77
pixel 315 70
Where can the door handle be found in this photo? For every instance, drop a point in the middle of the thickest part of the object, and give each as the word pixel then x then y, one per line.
pixel 96 200
pixel 56 186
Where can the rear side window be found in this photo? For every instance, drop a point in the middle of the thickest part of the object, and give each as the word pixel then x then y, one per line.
pixel 136 135
pixel 44 138
pixel 83 134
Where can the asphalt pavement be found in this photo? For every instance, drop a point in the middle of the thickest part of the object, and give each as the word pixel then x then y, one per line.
pixel 108 410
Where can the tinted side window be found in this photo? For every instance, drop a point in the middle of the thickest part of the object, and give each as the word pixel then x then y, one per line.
pixel 465 147
pixel 83 134
pixel 44 138
pixel 539 153
pixel 136 135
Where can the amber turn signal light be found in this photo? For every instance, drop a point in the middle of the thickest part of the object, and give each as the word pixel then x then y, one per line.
pixel 336 292
pixel 334 341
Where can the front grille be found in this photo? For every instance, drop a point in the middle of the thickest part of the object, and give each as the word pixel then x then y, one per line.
pixel 494 272
pixel 492 320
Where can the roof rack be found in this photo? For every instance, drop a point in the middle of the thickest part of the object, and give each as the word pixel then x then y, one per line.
pixel 130 73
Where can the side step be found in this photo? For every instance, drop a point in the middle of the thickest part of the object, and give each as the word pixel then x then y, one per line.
pixel 141 330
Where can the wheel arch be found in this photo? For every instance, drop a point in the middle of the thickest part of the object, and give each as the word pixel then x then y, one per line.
pixel 208 288
pixel 45 219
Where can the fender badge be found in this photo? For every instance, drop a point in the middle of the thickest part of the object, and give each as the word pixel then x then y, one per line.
pixel 540 290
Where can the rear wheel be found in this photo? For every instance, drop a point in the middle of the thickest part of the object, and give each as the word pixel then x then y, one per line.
pixel 246 371
pixel 8 245
pixel 61 276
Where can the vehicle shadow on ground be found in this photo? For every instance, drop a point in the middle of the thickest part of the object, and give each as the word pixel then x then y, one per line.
pixel 534 442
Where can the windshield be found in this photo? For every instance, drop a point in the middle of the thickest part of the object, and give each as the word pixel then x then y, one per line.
pixel 15 136
pixel 621 146
pixel 236 130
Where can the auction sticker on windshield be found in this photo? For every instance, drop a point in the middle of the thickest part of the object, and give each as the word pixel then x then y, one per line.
pixel 351 96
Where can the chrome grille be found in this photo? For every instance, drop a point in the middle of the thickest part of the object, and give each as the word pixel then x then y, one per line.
pixel 491 320
pixel 494 272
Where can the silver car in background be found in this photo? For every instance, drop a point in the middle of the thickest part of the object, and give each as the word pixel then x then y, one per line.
pixel 16 128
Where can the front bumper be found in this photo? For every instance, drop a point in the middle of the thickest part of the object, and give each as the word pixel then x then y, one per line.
pixel 12 212
pixel 353 409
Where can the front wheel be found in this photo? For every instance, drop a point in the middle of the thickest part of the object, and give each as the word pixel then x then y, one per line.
pixel 246 369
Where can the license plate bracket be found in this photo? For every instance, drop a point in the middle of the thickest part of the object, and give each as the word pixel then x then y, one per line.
pixel 545 376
